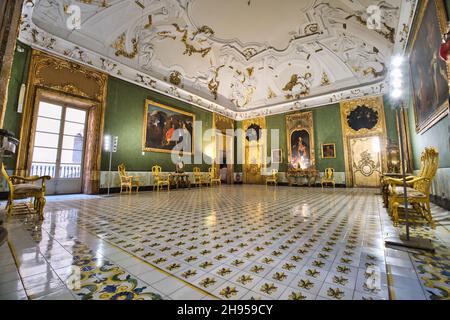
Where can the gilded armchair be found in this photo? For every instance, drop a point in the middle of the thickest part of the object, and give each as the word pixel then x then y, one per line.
pixel 159 179
pixel 127 181
pixel 199 177
pixel 273 177
pixel 418 188
pixel 214 176
pixel 26 187
pixel 328 177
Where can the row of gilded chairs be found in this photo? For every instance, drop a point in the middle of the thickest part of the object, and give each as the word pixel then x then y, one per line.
pixel 418 189
pixel 328 177
pixel 161 180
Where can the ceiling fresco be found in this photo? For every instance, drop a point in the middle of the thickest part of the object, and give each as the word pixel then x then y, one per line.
pixel 240 58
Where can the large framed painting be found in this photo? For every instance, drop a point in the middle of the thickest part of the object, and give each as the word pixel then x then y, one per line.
pixel 300 140
pixel 165 127
pixel 429 74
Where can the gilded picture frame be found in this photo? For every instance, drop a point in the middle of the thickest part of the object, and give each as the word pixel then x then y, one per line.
pixel 430 98
pixel 301 152
pixel 161 123
pixel 328 150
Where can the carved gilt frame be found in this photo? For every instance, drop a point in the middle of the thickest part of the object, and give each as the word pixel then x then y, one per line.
pixel 301 121
pixel 70 83
pixel 375 103
pixel 443 109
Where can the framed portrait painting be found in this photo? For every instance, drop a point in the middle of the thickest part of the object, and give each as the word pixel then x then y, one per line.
pixel 277 156
pixel 166 127
pixel 328 151
pixel 429 74
pixel 300 142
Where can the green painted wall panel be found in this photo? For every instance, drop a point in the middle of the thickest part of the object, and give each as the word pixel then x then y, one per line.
pixel 436 136
pixel 391 122
pixel 19 75
pixel 124 118
pixel 328 129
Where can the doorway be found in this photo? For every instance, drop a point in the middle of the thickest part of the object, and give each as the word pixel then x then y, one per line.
pixel 59 144
pixel 366 165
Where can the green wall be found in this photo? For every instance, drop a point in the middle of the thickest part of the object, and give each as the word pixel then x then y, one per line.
pixel 437 136
pixel 124 118
pixel 327 129
pixel 19 75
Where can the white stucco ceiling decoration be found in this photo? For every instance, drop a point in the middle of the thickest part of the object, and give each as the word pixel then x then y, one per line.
pixel 241 58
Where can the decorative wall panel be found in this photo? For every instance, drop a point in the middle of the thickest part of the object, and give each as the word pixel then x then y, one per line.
pixel 362 121
pixel 67 82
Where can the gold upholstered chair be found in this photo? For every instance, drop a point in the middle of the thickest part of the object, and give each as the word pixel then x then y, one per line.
pixel 273 177
pixel 417 191
pixel 127 181
pixel 24 188
pixel 159 179
pixel 214 176
pixel 328 177
pixel 199 177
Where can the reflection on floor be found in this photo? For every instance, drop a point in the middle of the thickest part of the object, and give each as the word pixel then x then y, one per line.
pixel 232 242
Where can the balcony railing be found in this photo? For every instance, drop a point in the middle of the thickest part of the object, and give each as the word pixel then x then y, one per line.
pixel 65 171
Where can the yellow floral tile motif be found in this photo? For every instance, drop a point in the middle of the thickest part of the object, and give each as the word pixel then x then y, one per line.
pixel 228 292
pixel 279 276
pixel 296 296
pixel 340 280
pixel 257 269
pixel 190 259
pixel 223 272
pixel 237 263
pixel 313 273
pixel 343 269
pixel 173 266
pixel 207 282
pixel 268 288
pixel 318 263
pixel 305 284
pixel 335 293
pixel 288 266
pixel 206 264
pixel 189 273
pixel 245 279
pixel 267 260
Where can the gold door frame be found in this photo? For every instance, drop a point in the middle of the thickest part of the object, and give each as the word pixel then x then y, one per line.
pixel 375 103
pixel 65 81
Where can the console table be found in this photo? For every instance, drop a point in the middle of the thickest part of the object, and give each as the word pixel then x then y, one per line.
pixel 295 176
pixel 180 179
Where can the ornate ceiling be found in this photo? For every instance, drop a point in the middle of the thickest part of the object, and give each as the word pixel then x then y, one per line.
pixel 241 58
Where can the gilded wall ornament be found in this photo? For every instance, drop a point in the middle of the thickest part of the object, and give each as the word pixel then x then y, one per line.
pixel 121 50
pixel 175 78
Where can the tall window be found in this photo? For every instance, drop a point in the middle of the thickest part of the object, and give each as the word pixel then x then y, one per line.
pixel 59 141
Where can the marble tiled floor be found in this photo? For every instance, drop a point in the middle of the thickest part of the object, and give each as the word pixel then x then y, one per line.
pixel 232 242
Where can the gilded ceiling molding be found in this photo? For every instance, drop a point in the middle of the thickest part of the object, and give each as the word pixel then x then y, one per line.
pixel 226 86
